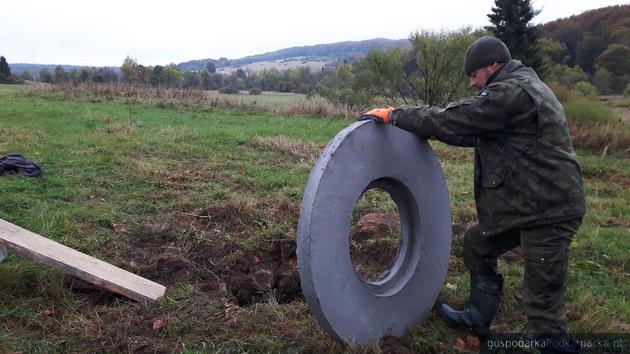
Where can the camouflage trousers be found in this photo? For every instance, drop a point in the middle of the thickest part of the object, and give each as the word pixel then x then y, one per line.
pixel 545 253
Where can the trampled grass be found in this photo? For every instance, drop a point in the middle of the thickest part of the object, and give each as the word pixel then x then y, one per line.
pixel 206 202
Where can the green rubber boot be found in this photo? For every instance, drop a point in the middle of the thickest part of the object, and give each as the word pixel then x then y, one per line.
pixel 485 294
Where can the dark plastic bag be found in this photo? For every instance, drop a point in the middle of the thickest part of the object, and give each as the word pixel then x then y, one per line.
pixel 15 163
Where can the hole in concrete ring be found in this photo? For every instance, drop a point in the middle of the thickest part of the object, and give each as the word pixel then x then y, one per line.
pixel 375 235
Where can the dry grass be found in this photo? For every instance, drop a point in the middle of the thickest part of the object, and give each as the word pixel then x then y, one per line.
pixel 186 98
pixel 602 138
pixel 296 148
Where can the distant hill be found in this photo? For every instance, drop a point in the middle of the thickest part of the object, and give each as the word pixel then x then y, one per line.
pixel 332 52
pixel 588 34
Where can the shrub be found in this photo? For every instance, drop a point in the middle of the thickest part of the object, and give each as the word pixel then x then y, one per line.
pixel 563 93
pixel 585 110
pixel 566 75
pixel 626 92
pixel 601 79
pixel 586 89
pixel 229 90
pixel 255 91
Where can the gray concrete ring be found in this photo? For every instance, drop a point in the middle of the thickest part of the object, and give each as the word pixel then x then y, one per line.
pixel 362 156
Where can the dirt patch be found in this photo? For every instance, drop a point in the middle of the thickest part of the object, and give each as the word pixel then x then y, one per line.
pixel 233 215
pixel 374 244
pixel 204 254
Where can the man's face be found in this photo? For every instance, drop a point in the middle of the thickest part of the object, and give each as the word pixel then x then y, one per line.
pixel 479 77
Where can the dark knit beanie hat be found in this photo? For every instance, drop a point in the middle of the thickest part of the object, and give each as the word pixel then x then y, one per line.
pixel 485 51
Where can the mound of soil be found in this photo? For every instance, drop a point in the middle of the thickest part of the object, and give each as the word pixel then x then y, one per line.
pixel 169 254
pixel 371 251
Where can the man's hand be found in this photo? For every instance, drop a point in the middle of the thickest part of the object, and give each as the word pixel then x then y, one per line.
pixel 380 115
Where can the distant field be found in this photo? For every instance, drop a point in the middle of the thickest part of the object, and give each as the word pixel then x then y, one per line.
pixel 206 201
pixel 276 64
pixel 271 98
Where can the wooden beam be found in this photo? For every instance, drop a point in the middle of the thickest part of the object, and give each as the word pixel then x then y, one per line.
pixel 71 261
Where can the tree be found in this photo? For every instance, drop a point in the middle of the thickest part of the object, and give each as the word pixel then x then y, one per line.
pixel 269 79
pixel 616 59
pixel 157 76
pixel 84 74
pixel 511 22
pixel 554 50
pixel 128 72
pixel 589 48
pixel 45 76
pixel 601 80
pixel 431 73
pixel 211 66
pixel 60 74
pixel 5 71
pixel 191 79
pixel 240 73
pixel 108 74
pixel 207 82
pixel 26 75
pixel 172 76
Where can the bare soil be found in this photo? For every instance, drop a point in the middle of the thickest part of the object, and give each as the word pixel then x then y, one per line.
pixel 168 254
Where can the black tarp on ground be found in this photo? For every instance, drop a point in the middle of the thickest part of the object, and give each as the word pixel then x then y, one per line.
pixel 16 163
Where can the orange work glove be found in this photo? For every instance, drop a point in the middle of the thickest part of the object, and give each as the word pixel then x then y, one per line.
pixel 381 115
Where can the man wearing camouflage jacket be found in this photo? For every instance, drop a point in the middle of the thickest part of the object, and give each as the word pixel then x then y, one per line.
pixel 528 184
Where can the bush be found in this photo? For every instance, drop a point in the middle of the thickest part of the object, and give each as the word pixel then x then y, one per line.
pixel 626 92
pixel 255 91
pixel 595 127
pixel 588 111
pixel 563 92
pixel 601 79
pixel 229 90
pixel 566 75
pixel 586 89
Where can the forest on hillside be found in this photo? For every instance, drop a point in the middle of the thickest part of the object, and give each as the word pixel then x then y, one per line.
pixel 588 35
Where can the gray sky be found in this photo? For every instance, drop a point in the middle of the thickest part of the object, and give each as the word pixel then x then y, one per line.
pixel 160 32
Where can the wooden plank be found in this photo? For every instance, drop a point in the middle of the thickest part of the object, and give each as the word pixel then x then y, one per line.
pixel 71 261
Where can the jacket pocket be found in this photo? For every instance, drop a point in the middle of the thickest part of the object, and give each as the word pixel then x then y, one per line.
pixel 493 165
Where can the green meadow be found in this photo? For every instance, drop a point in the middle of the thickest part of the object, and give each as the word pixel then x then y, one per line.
pixel 205 200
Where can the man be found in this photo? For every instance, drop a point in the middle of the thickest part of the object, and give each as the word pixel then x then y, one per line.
pixel 528 184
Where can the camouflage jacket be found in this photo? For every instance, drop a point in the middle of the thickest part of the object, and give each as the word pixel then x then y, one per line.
pixel 526 171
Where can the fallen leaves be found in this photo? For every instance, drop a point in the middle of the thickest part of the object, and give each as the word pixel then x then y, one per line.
pixel 451 286
pixel 230 307
pixel 471 344
pixel 157 324
pixel 460 345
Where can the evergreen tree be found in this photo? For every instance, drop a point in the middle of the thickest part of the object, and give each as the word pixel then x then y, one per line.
pixel 5 71
pixel 211 66
pixel 511 22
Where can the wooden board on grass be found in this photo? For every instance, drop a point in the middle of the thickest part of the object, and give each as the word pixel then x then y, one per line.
pixel 71 261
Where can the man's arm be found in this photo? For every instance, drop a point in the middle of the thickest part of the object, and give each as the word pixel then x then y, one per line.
pixel 461 122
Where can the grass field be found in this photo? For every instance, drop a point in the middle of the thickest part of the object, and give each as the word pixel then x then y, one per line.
pixel 272 99
pixel 206 202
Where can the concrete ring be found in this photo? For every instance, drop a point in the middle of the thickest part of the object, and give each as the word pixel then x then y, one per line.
pixel 362 156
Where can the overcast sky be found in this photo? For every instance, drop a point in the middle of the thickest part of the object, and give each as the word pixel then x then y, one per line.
pixel 102 33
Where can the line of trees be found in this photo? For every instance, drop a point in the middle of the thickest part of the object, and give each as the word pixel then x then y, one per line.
pixel 302 79
pixel 80 75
